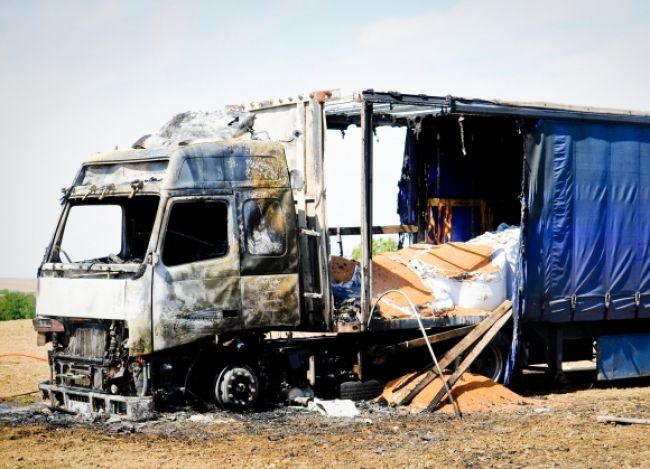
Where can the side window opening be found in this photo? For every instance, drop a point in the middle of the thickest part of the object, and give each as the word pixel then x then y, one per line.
pixel 196 231
pixel 265 229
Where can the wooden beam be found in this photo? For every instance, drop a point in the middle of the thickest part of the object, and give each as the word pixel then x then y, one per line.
pixel 467 362
pixel 433 339
pixel 455 352
pixel 613 419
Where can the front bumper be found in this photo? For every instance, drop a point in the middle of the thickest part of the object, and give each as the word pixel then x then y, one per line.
pixel 82 401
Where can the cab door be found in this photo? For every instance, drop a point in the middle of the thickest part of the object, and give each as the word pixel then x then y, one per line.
pixel 270 287
pixel 196 290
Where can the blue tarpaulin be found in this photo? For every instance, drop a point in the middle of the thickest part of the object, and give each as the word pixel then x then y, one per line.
pixel 623 356
pixel 587 232
pixel 472 171
pixel 585 253
pixel 458 183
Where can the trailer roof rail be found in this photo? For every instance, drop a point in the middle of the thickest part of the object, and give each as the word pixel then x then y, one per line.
pixel 396 109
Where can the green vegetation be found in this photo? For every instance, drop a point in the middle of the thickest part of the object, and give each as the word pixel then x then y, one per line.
pixel 379 245
pixel 16 305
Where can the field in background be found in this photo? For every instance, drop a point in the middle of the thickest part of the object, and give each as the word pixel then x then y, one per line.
pixel 25 285
pixel 17 298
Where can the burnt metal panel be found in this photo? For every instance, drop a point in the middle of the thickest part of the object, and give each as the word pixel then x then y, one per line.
pixel 447 321
pixel 198 299
pixel 228 165
pixel 318 307
pixel 270 301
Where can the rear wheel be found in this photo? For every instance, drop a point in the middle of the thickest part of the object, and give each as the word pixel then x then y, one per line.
pixel 361 390
pixel 237 388
pixel 491 363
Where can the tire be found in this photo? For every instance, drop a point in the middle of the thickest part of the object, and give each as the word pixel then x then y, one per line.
pixel 491 363
pixel 361 390
pixel 237 388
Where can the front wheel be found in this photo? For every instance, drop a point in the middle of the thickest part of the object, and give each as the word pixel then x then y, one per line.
pixel 237 388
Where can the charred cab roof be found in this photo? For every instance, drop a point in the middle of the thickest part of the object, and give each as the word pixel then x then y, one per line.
pixel 215 165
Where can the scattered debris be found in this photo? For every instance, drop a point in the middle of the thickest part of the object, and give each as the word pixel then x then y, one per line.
pixel 196 126
pixel 428 436
pixel 342 269
pixel 334 408
pixel 300 395
pixel 623 420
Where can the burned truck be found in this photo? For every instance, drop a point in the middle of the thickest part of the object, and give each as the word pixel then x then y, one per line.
pixel 199 265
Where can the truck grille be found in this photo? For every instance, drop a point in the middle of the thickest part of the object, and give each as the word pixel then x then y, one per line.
pixel 89 342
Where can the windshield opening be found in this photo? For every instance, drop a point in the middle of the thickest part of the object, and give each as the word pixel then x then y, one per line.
pixel 113 230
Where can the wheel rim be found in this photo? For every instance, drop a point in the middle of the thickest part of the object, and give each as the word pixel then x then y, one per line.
pixel 237 388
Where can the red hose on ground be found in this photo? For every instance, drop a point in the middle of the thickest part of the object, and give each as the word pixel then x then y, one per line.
pixel 25 355
pixel 7 398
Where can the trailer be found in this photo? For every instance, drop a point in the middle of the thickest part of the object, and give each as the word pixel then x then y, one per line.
pixel 220 286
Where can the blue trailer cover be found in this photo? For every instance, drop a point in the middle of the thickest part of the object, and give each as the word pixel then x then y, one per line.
pixel 587 252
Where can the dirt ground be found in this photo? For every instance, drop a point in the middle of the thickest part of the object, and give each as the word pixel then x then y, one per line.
pixel 22 363
pixel 557 429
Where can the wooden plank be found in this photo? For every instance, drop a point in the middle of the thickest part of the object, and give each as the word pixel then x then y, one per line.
pixel 626 420
pixel 454 352
pixel 433 339
pixel 466 363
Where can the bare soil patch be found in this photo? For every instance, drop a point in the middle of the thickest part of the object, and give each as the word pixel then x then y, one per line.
pixel 22 363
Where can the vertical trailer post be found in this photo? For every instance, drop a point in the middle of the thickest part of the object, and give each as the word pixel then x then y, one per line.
pixel 366 211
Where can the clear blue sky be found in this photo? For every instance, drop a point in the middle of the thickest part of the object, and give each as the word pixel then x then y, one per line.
pixel 77 77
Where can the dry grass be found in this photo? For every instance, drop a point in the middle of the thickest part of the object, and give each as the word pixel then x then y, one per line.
pixel 20 374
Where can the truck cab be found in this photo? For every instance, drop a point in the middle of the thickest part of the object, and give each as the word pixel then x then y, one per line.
pixel 158 249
